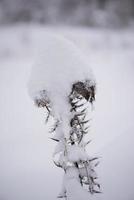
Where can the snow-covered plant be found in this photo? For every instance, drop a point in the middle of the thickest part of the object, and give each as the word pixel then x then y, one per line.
pixel 63 85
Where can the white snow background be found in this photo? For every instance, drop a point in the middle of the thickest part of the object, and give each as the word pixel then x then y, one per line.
pixel 26 168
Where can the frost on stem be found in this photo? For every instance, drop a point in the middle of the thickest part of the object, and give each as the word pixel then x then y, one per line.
pixel 68 99
pixel 71 151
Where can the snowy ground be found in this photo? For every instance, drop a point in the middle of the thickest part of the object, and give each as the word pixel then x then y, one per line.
pixel 26 169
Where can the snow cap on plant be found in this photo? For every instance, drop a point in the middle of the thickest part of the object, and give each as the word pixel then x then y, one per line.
pixel 62 84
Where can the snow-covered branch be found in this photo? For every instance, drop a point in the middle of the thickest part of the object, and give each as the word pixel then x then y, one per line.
pixel 67 94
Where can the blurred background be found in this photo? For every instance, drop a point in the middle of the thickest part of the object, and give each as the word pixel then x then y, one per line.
pixel 103 13
pixel 103 30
